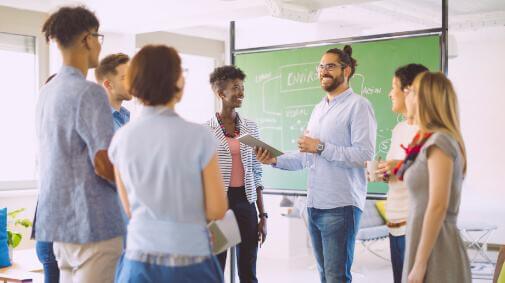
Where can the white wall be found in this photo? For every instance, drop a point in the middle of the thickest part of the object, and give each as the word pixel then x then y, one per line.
pixel 184 44
pixel 198 102
pixel 199 56
pixel 478 75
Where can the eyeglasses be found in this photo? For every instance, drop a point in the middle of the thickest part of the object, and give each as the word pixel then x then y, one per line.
pixel 329 67
pixel 99 36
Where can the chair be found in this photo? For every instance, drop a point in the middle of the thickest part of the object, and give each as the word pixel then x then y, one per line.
pixel 476 235
pixel 372 228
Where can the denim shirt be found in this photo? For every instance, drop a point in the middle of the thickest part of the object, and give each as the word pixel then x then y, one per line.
pixel 120 118
pixel 347 127
pixel 73 123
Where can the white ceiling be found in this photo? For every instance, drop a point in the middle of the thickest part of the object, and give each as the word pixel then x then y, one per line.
pixel 335 18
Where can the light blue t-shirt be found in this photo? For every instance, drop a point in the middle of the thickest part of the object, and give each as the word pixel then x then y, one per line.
pixel 73 123
pixel 160 158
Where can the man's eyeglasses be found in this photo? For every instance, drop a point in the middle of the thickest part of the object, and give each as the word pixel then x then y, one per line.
pixel 329 67
pixel 99 36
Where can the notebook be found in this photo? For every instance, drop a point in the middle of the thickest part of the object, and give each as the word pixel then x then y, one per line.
pixel 225 233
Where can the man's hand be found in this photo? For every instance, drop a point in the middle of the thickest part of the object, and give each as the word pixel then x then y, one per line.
pixel 308 144
pixel 264 156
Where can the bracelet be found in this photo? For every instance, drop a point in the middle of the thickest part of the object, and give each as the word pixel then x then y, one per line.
pixel 385 177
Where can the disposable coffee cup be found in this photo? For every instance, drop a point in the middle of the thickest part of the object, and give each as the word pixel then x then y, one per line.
pixel 371 167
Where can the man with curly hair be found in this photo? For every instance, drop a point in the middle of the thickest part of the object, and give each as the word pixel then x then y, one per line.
pixel 78 208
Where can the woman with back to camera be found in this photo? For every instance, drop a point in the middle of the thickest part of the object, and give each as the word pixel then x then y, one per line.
pixel 168 179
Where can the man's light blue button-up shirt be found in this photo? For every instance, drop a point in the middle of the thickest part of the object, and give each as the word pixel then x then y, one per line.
pixel 347 127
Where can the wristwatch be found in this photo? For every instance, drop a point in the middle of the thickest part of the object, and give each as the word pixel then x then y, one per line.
pixel 320 147
pixel 264 214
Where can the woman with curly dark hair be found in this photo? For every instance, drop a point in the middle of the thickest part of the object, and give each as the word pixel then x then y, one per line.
pixel 241 171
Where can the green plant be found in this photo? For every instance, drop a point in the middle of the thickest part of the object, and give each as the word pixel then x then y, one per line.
pixel 14 238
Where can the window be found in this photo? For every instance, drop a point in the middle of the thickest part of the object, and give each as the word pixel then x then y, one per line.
pixel 18 74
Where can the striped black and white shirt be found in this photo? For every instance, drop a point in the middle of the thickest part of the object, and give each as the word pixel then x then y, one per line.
pixel 252 168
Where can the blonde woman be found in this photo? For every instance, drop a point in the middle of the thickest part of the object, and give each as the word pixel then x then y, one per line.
pixel 433 172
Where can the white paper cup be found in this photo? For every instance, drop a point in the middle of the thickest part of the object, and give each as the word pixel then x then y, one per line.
pixel 371 167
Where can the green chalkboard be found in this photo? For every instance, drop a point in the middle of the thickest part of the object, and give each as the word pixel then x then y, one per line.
pixel 282 88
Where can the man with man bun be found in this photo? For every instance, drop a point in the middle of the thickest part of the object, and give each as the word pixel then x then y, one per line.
pixel 340 137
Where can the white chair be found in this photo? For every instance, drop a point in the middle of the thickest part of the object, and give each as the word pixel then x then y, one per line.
pixel 476 235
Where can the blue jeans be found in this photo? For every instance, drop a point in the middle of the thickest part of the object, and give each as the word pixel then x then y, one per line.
pixel 397 248
pixel 132 271
pixel 46 257
pixel 333 234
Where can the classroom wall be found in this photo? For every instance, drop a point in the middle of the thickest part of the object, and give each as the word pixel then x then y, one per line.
pixel 185 44
pixel 198 102
pixel 477 74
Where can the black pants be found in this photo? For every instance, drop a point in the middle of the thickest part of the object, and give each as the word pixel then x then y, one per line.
pixel 247 250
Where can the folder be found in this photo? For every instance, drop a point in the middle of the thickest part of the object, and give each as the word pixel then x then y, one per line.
pixel 225 233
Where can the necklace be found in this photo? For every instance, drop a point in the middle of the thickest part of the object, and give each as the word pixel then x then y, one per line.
pixel 221 124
